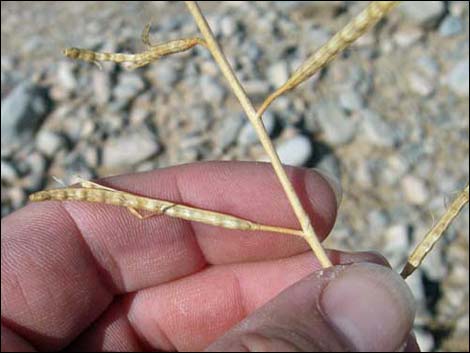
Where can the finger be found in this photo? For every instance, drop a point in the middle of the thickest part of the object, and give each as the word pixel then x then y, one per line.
pixel 361 307
pixel 189 314
pixel 62 262
pixel 246 190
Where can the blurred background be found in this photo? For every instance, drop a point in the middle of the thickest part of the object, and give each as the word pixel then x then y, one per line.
pixel 389 117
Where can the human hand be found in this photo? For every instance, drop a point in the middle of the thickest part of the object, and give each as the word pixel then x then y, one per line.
pixel 92 277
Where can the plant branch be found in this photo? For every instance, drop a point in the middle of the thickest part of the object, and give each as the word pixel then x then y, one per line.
pixel 249 109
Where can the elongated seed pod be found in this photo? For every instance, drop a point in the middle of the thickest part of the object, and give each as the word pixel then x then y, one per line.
pixel 341 40
pixel 433 236
pixel 140 59
pixel 124 199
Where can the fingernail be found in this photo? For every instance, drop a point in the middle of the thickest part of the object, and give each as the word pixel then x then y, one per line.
pixel 370 306
pixel 334 183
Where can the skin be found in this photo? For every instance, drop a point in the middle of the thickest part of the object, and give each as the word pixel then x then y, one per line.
pixel 85 276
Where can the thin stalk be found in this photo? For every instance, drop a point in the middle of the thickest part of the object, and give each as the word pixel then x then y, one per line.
pixel 249 109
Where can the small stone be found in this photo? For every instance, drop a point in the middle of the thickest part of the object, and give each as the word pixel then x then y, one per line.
pixel 415 190
pixel 228 26
pixel 248 134
pixel 457 79
pixel 48 142
pixel 129 85
pixel 8 172
pixel 212 91
pixel 23 111
pixel 129 148
pixel 295 151
pixel 423 13
pixel 37 166
pixel 420 84
pixel 228 132
pixel 425 340
pixel 450 26
pixel 351 100
pixel 377 131
pixel 407 36
pixel 256 88
pixel 397 242
pixel 101 84
pixel 65 76
pixel 278 73
pixel 337 127
pixel 166 75
pixel 17 197
pixel 331 165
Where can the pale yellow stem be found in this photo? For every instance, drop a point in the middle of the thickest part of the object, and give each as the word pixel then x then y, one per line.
pixel 249 109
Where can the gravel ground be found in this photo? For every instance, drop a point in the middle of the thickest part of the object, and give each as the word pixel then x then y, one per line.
pixel 390 117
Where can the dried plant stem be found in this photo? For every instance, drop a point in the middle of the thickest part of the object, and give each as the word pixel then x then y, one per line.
pixel 340 41
pixel 249 109
pixel 92 192
pixel 426 245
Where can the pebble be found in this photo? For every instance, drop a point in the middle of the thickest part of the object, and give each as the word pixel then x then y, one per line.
pixel 458 78
pixel 420 85
pixel 351 100
pixel 228 132
pixel 295 151
pixel 65 76
pixel 450 26
pixel 128 86
pixel 423 13
pixel 406 36
pixel 212 92
pixel 101 85
pixel 331 165
pixel 49 142
pixel 337 127
pixel 8 172
pixel 23 111
pixel 376 129
pixel 129 148
pixel 425 340
pixel 248 134
pixel 37 166
pixel 396 244
pixel 415 190
pixel 278 74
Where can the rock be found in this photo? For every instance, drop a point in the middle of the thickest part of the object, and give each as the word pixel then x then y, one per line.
pixel 36 169
pixel 434 266
pixel 129 148
pixel 278 73
pixel 212 91
pixel 23 111
pixel 415 190
pixel 425 340
pixel 457 79
pixel 337 127
pixel 65 76
pixel 166 74
pixel 331 165
pixel 295 151
pixel 377 131
pixel 396 244
pixel 407 36
pixel 228 26
pixel 420 84
pixel 128 86
pixel 423 13
pixel 450 26
pixel 351 100
pixel 256 88
pixel 227 134
pixel 49 142
pixel 248 134
pixel 200 117
pixel 101 85
pixel 8 172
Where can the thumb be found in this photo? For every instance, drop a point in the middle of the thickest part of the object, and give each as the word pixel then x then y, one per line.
pixel 364 307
